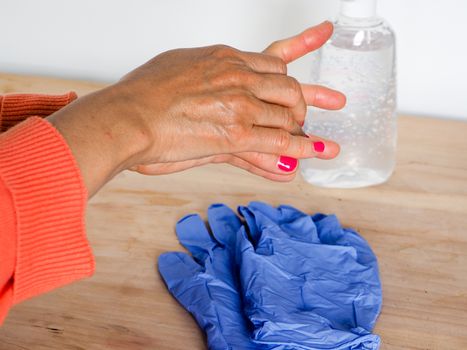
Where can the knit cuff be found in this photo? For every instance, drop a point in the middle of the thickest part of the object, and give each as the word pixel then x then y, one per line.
pixel 7 250
pixel 14 108
pixel 50 200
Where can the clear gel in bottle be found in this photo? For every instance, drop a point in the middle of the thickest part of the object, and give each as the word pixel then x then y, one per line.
pixel 358 60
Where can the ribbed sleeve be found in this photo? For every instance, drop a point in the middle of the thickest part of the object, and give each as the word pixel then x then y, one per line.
pixel 49 199
pixel 7 250
pixel 14 108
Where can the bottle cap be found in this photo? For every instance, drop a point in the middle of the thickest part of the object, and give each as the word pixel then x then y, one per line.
pixel 358 8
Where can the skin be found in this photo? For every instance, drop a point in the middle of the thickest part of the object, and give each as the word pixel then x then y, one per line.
pixel 189 107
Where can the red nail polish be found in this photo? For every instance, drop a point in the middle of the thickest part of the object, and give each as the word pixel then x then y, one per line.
pixel 287 164
pixel 319 146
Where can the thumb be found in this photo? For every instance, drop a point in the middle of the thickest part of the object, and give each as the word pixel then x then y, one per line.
pixel 178 271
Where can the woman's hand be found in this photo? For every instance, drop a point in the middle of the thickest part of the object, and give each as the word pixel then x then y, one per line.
pixel 268 165
pixel 188 107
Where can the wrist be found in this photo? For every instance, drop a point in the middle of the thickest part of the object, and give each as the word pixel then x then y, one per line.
pixel 124 122
pixel 102 135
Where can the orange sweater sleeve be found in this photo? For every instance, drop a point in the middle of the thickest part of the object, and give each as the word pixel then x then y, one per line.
pixel 42 204
pixel 14 108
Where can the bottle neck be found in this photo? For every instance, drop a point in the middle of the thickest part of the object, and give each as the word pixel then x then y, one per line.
pixel 358 8
pixel 363 22
pixel 358 13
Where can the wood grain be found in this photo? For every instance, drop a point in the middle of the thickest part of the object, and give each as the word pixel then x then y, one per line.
pixel 416 223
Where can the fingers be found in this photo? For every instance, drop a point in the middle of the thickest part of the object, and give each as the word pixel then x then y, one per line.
pixel 323 148
pixel 178 270
pixel 282 90
pixel 286 91
pixel 323 97
pixel 278 141
pixel 264 76
pixel 274 116
pixel 261 63
pixel 273 88
pixel 297 46
pixel 256 165
pixel 243 164
pixel 195 237
pixel 269 166
pixel 272 163
pixel 224 225
pixel 169 168
pixel 279 89
pixel 257 62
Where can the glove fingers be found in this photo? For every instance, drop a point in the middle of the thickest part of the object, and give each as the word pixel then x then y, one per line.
pixel 280 215
pixel 178 269
pixel 366 255
pixel 266 209
pixel 194 236
pixel 253 229
pixel 224 224
pixel 292 222
pixel 329 228
pixel 215 305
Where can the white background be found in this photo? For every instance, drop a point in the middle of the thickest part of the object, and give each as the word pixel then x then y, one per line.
pixel 103 39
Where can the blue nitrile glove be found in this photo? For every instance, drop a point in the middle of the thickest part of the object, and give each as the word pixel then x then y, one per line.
pixel 308 281
pixel 208 286
pixel 281 316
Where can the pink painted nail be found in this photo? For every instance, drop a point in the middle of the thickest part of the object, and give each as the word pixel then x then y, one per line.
pixel 287 164
pixel 319 146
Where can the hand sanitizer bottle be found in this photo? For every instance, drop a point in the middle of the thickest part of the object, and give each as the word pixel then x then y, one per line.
pixel 358 60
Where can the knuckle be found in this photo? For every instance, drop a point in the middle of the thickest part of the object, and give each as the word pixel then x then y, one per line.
pixel 239 104
pixel 235 110
pixel 240 77
pixel 256 158
pixel 302 149
pixel 227 103
pixel 238 136
pixel 285 117
pixel 223 51
pixel 294 91
pixel 250 78
pixel 282 141
pixel 280 65
pixel 299 113
pixel 233 76
pixel 275 44
pixel 227 76
pixel 289 121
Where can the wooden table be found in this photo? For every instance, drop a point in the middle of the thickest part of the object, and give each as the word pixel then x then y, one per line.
pixel 416 224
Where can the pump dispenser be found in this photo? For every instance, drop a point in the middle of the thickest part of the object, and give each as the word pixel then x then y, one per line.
pixel 358 60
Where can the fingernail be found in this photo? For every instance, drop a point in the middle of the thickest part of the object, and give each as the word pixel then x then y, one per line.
pixel 301 123
pixel 287 164
pixel 319 146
